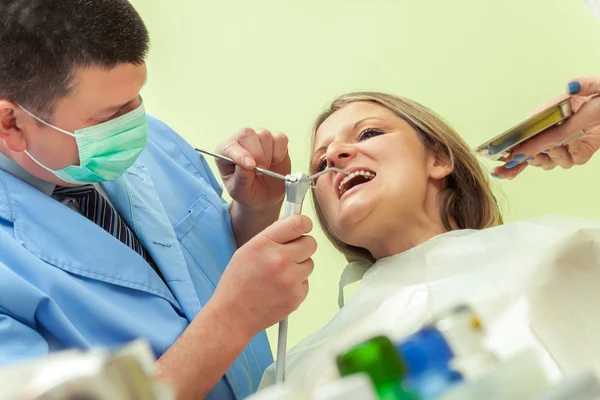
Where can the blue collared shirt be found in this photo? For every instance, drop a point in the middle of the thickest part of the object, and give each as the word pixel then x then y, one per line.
pixel 8 165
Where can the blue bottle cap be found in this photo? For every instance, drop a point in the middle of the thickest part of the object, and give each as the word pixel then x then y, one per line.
pixel 425 350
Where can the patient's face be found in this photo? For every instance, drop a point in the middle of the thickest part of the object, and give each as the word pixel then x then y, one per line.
pixel 391 170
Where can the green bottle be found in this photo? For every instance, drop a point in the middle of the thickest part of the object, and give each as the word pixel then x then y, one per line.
pixel 378 359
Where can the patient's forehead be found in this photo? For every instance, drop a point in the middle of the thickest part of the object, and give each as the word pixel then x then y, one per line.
pixel 353 117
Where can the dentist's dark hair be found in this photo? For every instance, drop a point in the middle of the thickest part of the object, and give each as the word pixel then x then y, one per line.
pixel 42 42
pixel 467 202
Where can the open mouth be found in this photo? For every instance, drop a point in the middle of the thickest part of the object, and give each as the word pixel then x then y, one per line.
pixel 354 179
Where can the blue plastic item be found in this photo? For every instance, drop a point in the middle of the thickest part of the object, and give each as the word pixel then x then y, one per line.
pixel 428 357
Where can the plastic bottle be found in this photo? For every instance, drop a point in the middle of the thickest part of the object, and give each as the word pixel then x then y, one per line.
pixel 465 336
pixel 377 358
pixel 428 357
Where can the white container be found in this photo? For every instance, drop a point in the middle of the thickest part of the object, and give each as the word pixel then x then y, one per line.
pixel 519 378
pixel 579 387
pixel 465 335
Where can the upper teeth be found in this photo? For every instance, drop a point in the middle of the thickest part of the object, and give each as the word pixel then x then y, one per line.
pixel 366 174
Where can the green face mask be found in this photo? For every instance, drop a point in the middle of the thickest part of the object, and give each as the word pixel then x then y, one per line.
pixel 106 150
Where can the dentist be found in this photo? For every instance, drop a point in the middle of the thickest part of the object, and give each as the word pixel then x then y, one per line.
pixel 113 228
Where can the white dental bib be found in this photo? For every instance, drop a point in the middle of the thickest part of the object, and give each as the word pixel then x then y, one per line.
pixel 534 283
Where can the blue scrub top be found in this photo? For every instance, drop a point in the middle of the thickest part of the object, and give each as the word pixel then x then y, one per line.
pixel 67 283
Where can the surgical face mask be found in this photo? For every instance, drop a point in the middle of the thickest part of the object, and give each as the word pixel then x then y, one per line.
pixel 594 7
pixel 106 150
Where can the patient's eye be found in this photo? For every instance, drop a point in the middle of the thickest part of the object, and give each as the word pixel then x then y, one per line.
pixel 369 133
pixel 322 165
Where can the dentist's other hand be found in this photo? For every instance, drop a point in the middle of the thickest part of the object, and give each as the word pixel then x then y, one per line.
pixel 549 150
pixel 251 148
pixel 267 278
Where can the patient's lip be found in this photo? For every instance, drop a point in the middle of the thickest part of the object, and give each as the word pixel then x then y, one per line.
pixel 340 177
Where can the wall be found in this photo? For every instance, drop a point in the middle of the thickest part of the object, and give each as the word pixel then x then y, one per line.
pixel 217 66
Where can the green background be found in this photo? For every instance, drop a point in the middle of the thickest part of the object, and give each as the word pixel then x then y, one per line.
pixel 217 66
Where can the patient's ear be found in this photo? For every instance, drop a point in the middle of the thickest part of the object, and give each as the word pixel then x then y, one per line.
pixel 439 165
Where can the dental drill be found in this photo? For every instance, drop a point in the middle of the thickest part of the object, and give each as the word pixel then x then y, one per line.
pixel 296 188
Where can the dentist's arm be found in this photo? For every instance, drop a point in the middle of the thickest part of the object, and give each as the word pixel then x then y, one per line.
pixel 19 342
pixel 265 281
pixel 257 199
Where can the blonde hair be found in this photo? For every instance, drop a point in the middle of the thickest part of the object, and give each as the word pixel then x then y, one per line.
pixel 467 202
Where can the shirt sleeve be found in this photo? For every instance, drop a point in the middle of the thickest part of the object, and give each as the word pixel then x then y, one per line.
pixel 18 341
pixel 194 157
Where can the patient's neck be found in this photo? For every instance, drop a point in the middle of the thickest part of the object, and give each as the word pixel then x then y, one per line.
pixel 397 238
pixel 401 230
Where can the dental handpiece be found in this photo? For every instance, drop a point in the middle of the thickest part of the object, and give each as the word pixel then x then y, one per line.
pixel 296 188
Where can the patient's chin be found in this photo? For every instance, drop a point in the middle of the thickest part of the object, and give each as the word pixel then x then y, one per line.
pixel 355 208
pixel 354 225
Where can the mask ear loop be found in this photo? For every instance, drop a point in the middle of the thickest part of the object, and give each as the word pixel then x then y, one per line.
pixel 32 115
pixel 38 162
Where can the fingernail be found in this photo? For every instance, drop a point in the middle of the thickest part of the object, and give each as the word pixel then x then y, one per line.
pixel 519 156
pixel 530 159
pixel 574 87
pixel 512 164
pixel 248 162
pixel 495 176
pixel 546 151
pixel 558 145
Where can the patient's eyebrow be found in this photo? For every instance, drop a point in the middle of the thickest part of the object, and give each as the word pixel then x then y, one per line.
pixel 319 150
pixel 357 124
pixel 354 127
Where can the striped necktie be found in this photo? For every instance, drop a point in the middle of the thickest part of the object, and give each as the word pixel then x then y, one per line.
pixel 95 208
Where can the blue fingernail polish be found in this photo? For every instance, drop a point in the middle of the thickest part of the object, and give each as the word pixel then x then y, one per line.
pixel 546 151
pixel 574 87
pixel 512 164
pixel 519 156
pixel 529 160
pixel 495 176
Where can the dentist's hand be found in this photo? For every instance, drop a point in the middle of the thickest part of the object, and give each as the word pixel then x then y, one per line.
pixel 548 150
pixel 251 148
pixel 265 281
pixel 267 278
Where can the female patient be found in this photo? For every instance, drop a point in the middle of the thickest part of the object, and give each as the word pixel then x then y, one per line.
pixel 418 215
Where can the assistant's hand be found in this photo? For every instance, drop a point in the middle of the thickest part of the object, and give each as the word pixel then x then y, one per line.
pixel 549 149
